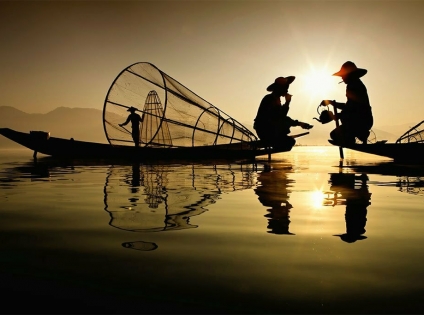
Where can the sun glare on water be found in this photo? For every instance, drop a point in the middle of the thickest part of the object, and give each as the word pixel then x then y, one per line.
pixel 317 199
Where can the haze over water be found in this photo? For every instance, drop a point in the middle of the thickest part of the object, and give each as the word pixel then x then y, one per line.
pixel 297 235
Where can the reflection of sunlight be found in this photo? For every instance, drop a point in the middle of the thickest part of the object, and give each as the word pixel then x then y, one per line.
pixel 317 150
pixel 317 199
pixel 318 83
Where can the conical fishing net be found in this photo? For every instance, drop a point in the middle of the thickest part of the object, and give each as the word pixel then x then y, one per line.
pixel 171 114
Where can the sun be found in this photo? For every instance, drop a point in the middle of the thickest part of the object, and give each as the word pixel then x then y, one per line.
pixel 318 84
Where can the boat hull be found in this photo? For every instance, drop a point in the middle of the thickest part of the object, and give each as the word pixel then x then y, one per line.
pixel 69 148
pixel 400 152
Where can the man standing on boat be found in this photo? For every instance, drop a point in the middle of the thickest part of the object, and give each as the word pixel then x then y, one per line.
pixel 272 123
pixel 135 124
pixel 356 115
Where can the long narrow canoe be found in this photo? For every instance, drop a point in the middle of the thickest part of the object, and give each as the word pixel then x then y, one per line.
pixel 41 142
pixel 408 148
pixel 409 153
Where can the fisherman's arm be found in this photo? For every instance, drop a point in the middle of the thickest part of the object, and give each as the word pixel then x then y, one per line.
pixel 303 125
pixel 126 122
pixel 334 103
pixel 286 105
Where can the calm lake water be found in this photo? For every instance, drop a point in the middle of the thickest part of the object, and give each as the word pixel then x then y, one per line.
pixel 296 235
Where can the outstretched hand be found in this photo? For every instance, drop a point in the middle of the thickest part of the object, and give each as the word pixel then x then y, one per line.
pixel 306 126
pixel 326 103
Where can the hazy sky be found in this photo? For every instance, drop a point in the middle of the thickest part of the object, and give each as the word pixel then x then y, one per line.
pixel 67 53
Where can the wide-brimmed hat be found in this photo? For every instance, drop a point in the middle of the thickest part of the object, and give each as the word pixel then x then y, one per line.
pixel 281 82
pixel 131 109
pixel 349 68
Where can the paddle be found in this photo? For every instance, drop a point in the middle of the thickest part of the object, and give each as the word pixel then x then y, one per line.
pixel 124 128
pixel 300 135
pixel 340 147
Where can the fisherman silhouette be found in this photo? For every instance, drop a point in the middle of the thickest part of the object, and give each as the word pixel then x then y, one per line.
pixel 135 124
pixel 272 124
pixel 272 192
pixel 356 115
pixel 354 190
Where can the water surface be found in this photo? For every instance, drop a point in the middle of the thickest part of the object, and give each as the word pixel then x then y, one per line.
pixel 296 235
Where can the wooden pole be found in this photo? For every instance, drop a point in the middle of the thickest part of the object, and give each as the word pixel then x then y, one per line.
pixel 340 148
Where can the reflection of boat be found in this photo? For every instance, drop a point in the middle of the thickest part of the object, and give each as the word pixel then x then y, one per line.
pixel 175 124
pixel 146 198
pixel 409 178
pixel 153 198
pixel 411 185
pixel 43 169
pixel 408 148
pixel 351 190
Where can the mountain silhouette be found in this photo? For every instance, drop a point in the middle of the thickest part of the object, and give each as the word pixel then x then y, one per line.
pixel 85 124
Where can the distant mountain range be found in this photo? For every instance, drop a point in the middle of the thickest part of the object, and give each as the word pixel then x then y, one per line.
pixel 86 124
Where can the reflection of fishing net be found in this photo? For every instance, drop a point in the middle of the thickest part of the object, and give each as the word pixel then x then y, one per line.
pixel 168 196
pixel 173 116
pixel 411 185
pixel 140 245
pixel 415 134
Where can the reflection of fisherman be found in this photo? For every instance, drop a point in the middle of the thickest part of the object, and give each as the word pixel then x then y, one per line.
pixel 135 124
pixel 357 201
pixel 136 178
pixel 273 193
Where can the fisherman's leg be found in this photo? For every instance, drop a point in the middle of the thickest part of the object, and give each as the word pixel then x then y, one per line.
pixel 265 136
pixel 136 140
pixel 336 135
pixel 285 143
pixel 342 135
pixel 363 136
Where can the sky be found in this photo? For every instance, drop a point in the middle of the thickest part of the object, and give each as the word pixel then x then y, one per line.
pixel 67 53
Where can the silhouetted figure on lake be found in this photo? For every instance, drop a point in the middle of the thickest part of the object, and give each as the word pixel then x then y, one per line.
pixel 135 119
pixel 356 116
pixel 354 191
pixel 39 140
pixel 272 192
pixel 272 124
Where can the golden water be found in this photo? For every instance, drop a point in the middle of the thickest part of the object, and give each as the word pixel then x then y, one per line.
pixel 296 235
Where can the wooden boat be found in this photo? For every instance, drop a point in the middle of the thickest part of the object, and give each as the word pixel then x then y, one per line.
pixel 408 148
pixel 41 142
pixel 173 123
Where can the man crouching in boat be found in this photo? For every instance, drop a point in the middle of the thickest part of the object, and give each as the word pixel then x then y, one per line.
pixel 356 115
pixel 135 124
pixel 272 123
